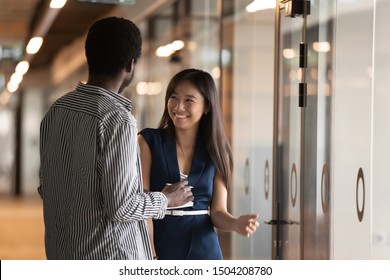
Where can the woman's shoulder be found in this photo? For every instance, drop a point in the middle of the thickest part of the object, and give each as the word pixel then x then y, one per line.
pixel 152 133
pixel 149 130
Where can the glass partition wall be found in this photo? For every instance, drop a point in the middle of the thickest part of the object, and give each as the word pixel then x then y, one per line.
pixel 183 35
pixel 236 47
pixel 252 123
pixel 361 126
pixel 380 239
pixel 315 174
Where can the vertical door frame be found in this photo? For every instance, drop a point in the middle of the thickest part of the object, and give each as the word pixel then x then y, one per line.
pixel 275 160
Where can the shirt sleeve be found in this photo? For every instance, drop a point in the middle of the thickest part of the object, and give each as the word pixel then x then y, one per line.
pixel 40 184
pixel 121 183
pixel 42 140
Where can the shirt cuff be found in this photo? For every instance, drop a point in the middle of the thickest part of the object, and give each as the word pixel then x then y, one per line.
pixel 164 205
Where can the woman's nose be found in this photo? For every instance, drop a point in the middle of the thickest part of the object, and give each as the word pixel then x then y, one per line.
pixel 180 106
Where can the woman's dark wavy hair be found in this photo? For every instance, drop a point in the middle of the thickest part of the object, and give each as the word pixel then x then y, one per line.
pixel 111 44
pixel 210 127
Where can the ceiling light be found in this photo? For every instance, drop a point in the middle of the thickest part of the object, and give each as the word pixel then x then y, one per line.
pixel 177 45
pixel 12 87
pixel 167 50
pixel 154 88
pixel 148 88
pixel 257 5
pixel 163 51
pixel 57 4
pixel 34 45
pixel 117 2
pixel 22 67
pixel 142 88
pixel 16 78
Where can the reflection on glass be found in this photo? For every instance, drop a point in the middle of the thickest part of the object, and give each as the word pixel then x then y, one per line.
pixel 321 46
pixel 289 53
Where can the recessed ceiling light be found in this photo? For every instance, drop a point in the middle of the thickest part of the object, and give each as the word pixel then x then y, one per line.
pixel 116 2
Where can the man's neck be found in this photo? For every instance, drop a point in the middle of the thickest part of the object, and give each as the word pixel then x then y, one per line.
pixel 105 82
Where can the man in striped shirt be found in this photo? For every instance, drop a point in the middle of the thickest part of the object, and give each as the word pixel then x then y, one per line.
pixel 90 178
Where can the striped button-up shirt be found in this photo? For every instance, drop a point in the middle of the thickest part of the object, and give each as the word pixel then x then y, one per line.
pixel 90 179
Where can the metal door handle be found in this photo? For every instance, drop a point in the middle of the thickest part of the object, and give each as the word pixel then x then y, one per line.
pixel 281 222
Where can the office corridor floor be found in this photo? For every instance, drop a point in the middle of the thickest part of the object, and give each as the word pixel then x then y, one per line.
pixel 21 229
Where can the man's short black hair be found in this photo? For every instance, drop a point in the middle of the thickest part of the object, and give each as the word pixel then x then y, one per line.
pixel 111 44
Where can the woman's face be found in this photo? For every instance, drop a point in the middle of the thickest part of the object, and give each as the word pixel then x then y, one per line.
pixel 186 106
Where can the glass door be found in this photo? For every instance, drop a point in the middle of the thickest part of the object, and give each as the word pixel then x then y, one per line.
pixel 301 218
pixel 249 43
pixel 287 224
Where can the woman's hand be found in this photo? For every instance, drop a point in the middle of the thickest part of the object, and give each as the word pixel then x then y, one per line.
pixel 246 224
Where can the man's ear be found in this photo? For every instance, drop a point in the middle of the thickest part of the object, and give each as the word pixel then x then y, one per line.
pixel 130 66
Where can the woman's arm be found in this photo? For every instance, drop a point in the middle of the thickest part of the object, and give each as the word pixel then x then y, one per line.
pixel 222 219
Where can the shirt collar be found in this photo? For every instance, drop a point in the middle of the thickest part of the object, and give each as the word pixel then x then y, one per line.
pixel 81 87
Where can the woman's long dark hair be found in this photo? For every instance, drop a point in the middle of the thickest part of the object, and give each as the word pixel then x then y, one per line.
pixel 210 127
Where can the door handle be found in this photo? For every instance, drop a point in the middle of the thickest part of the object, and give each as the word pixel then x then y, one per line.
pixel 281 222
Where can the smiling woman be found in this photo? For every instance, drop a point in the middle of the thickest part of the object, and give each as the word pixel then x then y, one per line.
pixel 186 106
pixel 191 144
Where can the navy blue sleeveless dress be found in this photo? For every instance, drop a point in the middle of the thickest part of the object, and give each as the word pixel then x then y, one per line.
pixel 183 237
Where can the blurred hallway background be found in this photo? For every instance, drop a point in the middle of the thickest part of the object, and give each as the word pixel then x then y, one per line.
pixel 21 229
pixel 317 175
